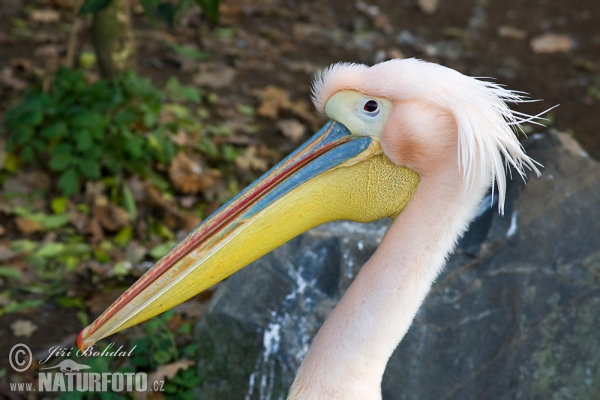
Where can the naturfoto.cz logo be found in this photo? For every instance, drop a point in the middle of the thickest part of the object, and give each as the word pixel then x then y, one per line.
pixel 71 376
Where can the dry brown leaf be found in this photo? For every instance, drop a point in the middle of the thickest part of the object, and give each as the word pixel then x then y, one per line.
pixel 47 51
pixel 135 252
pixel 5 38
pixel 273 98
pixel 291 129
pixel 94 189
pixel 429 6
pixel 168 371
pixel 7 254
pixel 155 197
pixel 5 207
pixel 3 151
pixel 27 226
pixel 147 395
pixel 13 184
pixel 382 22
pixel 137 187
pixel 10 81
pixel 305 67
pixel 188 201
pixel 175 322
pixel 303 32
pixel 510 32
pixel 214 193
pixel 395 52
pixel 23 327
pixel 251 161
pixel 35 178
pixel 214 76
pixel 22 64
pixel 85 223
pixel 303 110
pixel 95 229
pixel 101 300
pixel 111 216
pixel 188 175
pixel 46 37
pixel 45 15
pixel 190 221
pixel 192 308
pixel 549 43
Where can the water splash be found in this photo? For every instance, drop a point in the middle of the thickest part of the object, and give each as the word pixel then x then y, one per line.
pixel 513 225
pixel 282 320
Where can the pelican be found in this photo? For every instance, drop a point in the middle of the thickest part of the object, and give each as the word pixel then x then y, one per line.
pixel 410 140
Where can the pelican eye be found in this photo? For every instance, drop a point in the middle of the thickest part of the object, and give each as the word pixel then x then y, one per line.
pixel 371 108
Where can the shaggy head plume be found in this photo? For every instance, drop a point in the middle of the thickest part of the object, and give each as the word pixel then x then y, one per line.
pixel 487 127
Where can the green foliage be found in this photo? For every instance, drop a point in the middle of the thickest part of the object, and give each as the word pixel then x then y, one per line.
pixel 159 346
pixel 93 6
pixel 189 52
pixel 162 10
pixel 210 8
pixel 86 131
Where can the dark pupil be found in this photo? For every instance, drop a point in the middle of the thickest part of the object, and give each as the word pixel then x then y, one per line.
pixel 371 106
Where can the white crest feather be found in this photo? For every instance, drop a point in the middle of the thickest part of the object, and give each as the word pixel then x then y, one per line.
pixel 487 127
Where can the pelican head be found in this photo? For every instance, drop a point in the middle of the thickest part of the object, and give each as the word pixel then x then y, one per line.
pixel 409 140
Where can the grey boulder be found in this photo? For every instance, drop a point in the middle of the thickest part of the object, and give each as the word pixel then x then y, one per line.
pixel 514 315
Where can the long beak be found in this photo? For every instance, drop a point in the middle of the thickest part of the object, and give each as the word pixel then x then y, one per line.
pixel 334 175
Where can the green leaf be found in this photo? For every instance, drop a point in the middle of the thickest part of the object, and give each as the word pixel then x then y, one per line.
pixel 51 222
pixel 70 302
pixel 13 306
pixel 129 202
pixel 59 205
pixel 55 131
pixel 246 110
pixel 62 156
pixel 124 236
pixel 71 262
pixel 68 182
pixel 84 140
pixel 121 268
pixel 49 250
pixel 210 8
pixel 220 130
pixel 160 250
pixel 26 155
pixel 229 153
pixel 101 256
pixel 78 249
pixel 89 168
pixel 189 52
pixel 8 272
pixel 93 6
pixel 177 91
pixel 11 163
pixel 23 245
pixel 162 356
pixel 83 318
pixel 166 12
pixel 208 147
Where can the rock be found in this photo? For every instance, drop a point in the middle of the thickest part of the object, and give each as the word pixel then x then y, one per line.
pixel 515 314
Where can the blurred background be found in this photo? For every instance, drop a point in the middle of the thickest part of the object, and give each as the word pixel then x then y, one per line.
pixel 106 161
